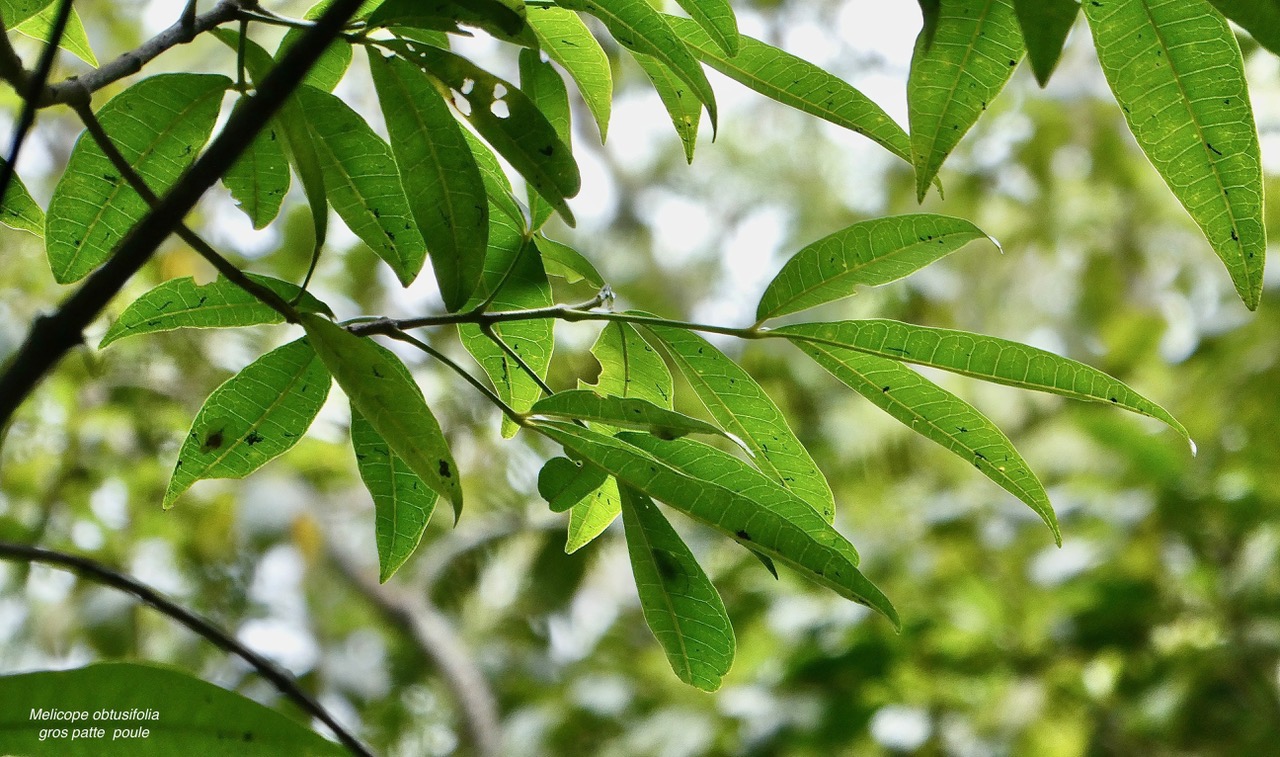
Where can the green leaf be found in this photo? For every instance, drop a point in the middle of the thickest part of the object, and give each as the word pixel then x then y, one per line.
pixel 868 253
pixel 15 12
pixel 939 415
pixel 685 111
pixel 506 118
pixel 641 29
pixel 742 408
pixel 381 390
pixel 74 39
pixel 496 184
pixel 717 20
pixel 975 48
pixel 363 182
pixel 181 303
pixel 985 357
pixel 566 40
pixel 259 180
pixel 332 64
pixel 1045 25
pixel 561 260
pixel 592 515
pixel 681 606
pixel 621 412
pixel 402 503
pixel 517 268
pixel 291 123
pixel 441 179
pixel 159 125
pixel 542 83
pixel 564 483
pixel 19 210
pixel 792 534
pixel 256 416
pixel 630 367
pixel 1261 18
pixel 195 717
pixel 1176 70
pixel 799 84
pixel 502 19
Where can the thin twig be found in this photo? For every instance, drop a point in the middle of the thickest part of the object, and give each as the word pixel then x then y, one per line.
pixel 133 61
pixel 506 409
pixel 52 336
pixel 435 637
pixel 488 330
pixel 34 86
pixel 184 232
pixel 102 574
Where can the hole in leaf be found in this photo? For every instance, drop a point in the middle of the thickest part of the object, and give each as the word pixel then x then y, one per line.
pixel 468 85
pixel 499 108
pixel 499 91
pixel 461 102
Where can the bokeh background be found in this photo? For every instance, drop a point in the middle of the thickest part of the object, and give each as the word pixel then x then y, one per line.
pixel 1154 629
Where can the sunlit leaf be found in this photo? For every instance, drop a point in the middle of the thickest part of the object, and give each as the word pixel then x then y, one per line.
pixel 1176 70
pixel 1261 18
pixel 742 408
pixel 196 718
pixel 621 412
pixel 496 184
pixel 514 265
pixel 182 303
pixel 159 125
pixel 362 182
pixel 19 210
pixel 984 357
pixel 868 253
pixel 975 48
pixel 332 64
pixel 505 117
pixel 567 41
pixel 682 608
pixel 260 179
pixel 590 516
pixel 542 83
pixel 794 535
pixel 681 105
pixel 561 260
pixel 639 28
pixel 801 85
pixel 74 38
pixel 15 12
pixel 717 20
pixel 441 179
pixel 502 19
pixel 402 502
pixel 256 416
pixel 1045 25
pixel 379 388
pixel 938 415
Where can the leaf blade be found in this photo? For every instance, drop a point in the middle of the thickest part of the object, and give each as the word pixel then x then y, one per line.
pixel 1177 72
pixel 621 412
pixel 567 41
pixel 1045 25
pixel 19 210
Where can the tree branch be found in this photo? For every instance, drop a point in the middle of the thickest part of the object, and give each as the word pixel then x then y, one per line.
pixel 52 336
pixel 436 639
pixel 99 573
pixel 181 32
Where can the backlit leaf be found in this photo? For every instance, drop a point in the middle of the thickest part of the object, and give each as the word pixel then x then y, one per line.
pixel 868 253
pixel 681 105
pixel 260 179
pixel 542 83
pixel 182 303
pixel 567 41
pixel 561 260
pixel 939 415
pixel 402 503
pixel 1176 70
pixel 1045 25
pixel 742 408
pixel 159 125
pixel 796 82
pixel 362 182
pixel 681 606
pixel 793 534
pixel 564 483
pixel 717 20
pixel 974 50
pixel 256 416
pixel 1261 18
pixel 382 391
pixel 985 357
pixel 621 412
pixel 441 179
pixel 332 64
pixel 196 718
pixel 74 38
pixel 19 210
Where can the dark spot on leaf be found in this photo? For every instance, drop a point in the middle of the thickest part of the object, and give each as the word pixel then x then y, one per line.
pixel 445 470
pixel 212 441
pixel 253 438
pixel 744 535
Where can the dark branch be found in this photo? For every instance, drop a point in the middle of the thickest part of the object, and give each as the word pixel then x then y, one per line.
pixel 183 31
pixel 99 573
pixel 54 335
